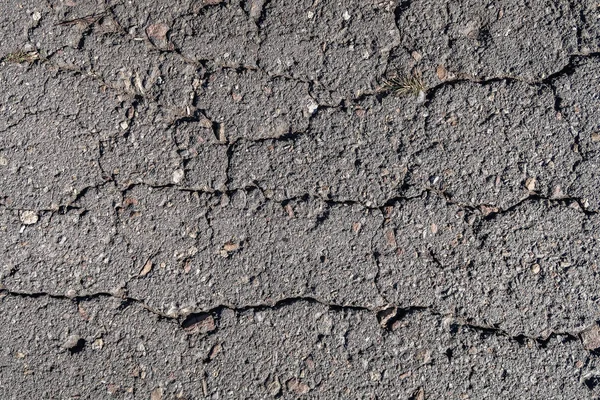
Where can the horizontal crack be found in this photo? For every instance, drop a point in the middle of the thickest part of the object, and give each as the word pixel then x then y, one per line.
pixel 386 315
pixel 568 69
pixel 487 211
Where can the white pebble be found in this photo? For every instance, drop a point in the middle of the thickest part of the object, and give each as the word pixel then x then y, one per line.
pixel 178 175
pixel 312 108
pixel 29 217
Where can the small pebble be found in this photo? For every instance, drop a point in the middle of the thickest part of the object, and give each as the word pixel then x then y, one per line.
pixel 178 176
pixel 146 269
pixel 72 342
pixel 157 394
pixel 29 217
pixel 274 387
pixel 297 387
pixel 591 337
pixel 98 344
pixel 441 72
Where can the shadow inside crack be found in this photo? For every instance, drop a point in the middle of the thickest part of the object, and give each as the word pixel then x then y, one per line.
pixel 79 346
pixel 592 381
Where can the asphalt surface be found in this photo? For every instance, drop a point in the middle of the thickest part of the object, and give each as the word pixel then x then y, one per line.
pixel 299 199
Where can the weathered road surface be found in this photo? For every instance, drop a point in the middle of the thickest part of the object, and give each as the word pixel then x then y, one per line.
pixel 222 199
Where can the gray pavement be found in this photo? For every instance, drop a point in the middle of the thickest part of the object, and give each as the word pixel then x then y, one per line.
pixel 299 199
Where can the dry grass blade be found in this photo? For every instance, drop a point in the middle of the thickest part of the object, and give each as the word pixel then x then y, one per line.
pixel 84 21
pixel 22 56
pixel 405 85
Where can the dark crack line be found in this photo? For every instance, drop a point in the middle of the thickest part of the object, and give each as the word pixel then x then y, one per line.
pixel 492 213
pixel 567 70
pixel 386 315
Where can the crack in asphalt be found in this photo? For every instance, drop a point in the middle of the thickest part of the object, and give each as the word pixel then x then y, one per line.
pixel 382 312
pixel 486 210
pixel 567 69
pixel 291 136
pixel 397 204
pixel 380 92
pixel 386 315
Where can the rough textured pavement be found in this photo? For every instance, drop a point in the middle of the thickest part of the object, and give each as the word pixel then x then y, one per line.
pixel 230 199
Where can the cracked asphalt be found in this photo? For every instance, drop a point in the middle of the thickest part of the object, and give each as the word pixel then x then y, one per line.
pixel 226 199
